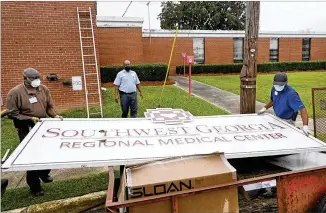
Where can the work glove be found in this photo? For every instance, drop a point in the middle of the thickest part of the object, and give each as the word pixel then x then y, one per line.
pixel 35 119
pixel 305 130
pixel 59 116
pixel 263 110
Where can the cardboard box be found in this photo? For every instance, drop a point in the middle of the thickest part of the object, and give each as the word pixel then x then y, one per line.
pixel 181 174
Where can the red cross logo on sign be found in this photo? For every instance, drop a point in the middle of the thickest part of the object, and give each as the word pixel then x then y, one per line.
pixel 190 59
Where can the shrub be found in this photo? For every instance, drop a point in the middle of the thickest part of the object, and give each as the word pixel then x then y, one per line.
pixel 264 67
pixel 145 72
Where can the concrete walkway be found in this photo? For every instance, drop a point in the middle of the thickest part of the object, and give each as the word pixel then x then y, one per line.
pixel 225 100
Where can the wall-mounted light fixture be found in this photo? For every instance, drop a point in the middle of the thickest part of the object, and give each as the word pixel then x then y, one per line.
pixel 52 77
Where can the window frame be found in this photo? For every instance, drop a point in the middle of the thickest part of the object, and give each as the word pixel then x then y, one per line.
pixel 274 57
pixel 306 49
pixel 238 60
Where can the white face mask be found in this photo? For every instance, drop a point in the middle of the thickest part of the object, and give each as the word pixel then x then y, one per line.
pixel 36 83
pixel 279 88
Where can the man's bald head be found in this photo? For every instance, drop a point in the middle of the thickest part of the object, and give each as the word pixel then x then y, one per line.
pixel 31 73
pixel 126 63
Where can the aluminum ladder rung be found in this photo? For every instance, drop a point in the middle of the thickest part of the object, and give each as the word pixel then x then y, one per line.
pixel 91 93
pixel 84 34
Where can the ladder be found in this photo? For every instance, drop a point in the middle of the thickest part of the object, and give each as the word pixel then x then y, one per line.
pixel 89 59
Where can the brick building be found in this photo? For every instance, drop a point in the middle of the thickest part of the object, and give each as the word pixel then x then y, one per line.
pixel 45 35
pixel 121 38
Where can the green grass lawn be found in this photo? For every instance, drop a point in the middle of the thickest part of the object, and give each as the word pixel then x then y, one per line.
pixel 321 137
pixel 172 98
pixel 302 82
pixel 20 197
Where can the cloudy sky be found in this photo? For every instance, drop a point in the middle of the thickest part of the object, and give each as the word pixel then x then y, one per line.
pixel 275 16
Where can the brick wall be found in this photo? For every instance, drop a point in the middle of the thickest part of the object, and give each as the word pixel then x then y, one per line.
pixel 290 49
pixel 218 50
pixel 159 50
pixel 43 35
pixel 263 50
pixel 318 49
pixel 119 44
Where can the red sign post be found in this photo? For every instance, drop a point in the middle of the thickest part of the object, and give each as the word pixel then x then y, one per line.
pixel 190 61
pixel 184 63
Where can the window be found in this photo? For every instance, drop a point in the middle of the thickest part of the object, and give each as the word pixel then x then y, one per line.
pixel 238 50
pixel 273 50
pixel 306 49
pixel 199 50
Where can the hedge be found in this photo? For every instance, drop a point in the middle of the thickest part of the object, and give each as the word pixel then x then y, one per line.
pixel 145 72
pixel 264 67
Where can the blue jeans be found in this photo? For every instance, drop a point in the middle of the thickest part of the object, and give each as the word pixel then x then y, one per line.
pixel 129 101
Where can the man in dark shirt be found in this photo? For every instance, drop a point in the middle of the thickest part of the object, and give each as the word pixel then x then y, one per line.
pixel 26 104
pixel 286 102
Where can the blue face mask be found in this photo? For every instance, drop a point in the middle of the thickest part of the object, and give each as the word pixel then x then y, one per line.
pixel 279 88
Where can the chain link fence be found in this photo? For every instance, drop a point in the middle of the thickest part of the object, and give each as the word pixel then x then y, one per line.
pixel 319 112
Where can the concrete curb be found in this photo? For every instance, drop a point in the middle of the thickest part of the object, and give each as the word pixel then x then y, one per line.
pixel 71 205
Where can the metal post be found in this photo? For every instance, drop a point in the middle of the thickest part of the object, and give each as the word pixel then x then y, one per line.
pixel 189 79
pixel 149 23
pixel 184 66
pixel 313 111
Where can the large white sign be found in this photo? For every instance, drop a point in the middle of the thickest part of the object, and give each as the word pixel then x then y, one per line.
pixel 73 143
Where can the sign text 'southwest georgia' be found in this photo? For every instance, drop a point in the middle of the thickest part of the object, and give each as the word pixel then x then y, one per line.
pixel 169 136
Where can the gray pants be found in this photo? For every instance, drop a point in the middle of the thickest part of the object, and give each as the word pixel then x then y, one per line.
pixel 290 121
pixel 129 101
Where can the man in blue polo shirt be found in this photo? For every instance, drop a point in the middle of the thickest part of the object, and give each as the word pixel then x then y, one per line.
pixel 126 84
pixel 286 102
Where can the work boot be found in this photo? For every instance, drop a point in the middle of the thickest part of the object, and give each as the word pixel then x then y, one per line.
pixel 4 184
pixel 47 179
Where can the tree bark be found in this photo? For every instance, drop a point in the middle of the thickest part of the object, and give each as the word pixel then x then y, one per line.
pixel 249 68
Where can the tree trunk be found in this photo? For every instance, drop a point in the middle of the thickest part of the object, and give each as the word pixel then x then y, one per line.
pixel 249 68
